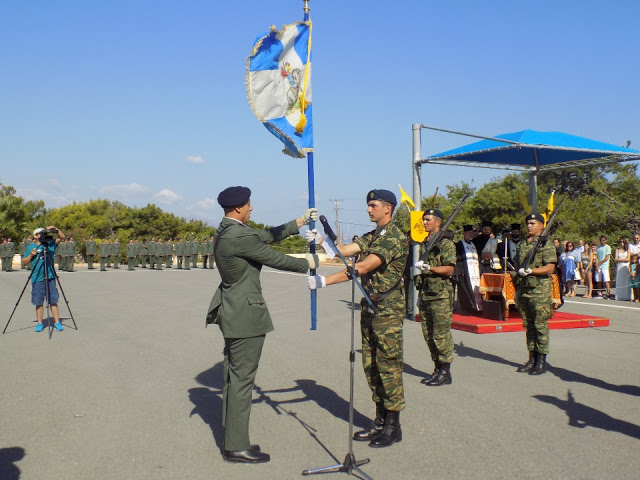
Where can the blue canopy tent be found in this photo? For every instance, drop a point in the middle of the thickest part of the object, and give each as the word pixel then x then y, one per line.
pixel 527 150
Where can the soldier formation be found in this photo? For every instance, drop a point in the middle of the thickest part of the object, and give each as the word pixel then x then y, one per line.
pixel 154 254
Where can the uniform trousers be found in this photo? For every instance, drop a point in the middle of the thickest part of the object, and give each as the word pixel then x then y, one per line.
pixel 103 260
pixel 535 313
pixel 90 261
pixel 436 316
pixel 132 262
pixel 241 359
pixel 179 259
pixel 382 357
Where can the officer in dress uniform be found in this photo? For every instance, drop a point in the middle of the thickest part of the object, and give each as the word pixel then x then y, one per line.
pixel 21 249
pixel 533 293
pixel 187 253
pixel 72 253
pixel 436 299
pixel 116 253
pixel 211 249
pixel 239 309
pixel 103 254
pixel 91 251
pixel 131 254
pixel 179 253
pixel 383 256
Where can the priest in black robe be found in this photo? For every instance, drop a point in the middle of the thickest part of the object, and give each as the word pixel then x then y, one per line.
pixel 467 273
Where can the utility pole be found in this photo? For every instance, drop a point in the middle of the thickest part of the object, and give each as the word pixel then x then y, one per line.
pixel 337 208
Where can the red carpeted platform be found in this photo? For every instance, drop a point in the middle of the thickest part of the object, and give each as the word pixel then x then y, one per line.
pixel 560 320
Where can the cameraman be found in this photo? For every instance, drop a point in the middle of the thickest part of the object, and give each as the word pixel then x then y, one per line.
pixel 34 255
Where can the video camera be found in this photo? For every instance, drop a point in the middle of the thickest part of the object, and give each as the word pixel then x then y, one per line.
pixel 49 235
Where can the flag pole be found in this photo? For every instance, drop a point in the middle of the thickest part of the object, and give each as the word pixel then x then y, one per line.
pixel 312 204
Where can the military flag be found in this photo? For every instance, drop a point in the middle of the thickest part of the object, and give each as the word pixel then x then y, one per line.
pixel 278 84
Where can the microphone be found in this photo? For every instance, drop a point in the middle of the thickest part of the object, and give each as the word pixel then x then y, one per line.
pixel 327 228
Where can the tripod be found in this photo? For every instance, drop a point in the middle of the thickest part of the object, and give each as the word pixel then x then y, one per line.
pixel 46 265
pixel 350 464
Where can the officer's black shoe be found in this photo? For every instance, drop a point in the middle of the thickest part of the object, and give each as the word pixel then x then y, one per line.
pixel 527 367
pixel 391 432
pixel 246 456
pixel 436 369
pixel 541 365
pixel 376 426
pixel 443 377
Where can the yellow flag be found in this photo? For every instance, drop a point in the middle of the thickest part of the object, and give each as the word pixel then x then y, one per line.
pixel 418 233
pixel 406 199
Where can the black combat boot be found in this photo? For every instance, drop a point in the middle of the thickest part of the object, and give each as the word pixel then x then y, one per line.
pixel 391 432
pixel 430 376
pixel 376 426
pixel 527 367
pixel 443 377
pixel 541 365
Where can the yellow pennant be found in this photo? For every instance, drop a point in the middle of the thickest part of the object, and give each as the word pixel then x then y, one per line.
pixel 418 233
pixel 406 199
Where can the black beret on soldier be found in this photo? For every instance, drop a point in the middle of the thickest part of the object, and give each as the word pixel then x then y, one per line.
pixel 434 212
pixel 234 197
pixel 383 195
pixel 534 216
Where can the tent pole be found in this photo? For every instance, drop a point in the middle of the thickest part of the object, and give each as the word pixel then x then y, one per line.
pixel 417 200
pixel 533 190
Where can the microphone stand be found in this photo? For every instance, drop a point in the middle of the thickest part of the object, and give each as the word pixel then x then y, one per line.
pixel 350 464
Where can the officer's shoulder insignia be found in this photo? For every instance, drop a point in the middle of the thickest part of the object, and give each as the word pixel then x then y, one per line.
pixel 383 231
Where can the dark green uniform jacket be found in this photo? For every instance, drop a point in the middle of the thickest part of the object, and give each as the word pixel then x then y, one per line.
pixel 238 305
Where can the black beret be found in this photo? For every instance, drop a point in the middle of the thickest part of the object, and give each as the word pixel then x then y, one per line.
pixel 515 226
pixel 534 216
pixel 435 212
pixel 234 196
pixel 384 195
pixel 487 223
pixel 468 228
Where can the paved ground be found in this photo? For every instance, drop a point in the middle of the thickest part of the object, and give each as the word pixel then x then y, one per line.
pixel 135 391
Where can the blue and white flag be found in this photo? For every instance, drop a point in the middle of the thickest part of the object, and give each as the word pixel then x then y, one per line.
pixel 279 85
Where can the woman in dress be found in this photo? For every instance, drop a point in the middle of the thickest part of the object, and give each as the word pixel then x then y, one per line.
pixel 569 265
pixel 586 269
pixel 622 258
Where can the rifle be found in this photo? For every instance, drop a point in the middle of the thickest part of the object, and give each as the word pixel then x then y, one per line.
pixel 434 238
pixel 541 240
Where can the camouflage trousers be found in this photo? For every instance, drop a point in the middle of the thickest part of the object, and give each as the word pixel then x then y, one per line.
pixel 435 317
pixel 382 358
pixel 535 315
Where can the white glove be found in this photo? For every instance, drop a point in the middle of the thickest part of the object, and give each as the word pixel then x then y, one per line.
pixel 422 267
pixel 313 260
pixel 523 273
pixel 316 281
pixel 310 213
pixel 313 236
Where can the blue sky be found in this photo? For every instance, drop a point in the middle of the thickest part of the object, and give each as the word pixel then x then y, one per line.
pixel 144 101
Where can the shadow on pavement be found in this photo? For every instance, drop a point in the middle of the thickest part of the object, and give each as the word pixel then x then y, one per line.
pixel 582 416
pixel 569 376
pixel 8 457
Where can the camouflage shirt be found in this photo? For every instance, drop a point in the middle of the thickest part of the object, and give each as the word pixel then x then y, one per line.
pixel 390 244
pixel 533 285
pixel 434 286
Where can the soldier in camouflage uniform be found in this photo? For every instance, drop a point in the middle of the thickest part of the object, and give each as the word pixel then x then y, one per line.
pixel 533 294
pixel 436 298
pixel 383 256
pixel 91 251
